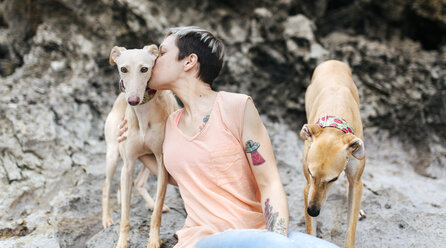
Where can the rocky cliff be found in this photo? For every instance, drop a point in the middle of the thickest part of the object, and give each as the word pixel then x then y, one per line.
pixel 57 88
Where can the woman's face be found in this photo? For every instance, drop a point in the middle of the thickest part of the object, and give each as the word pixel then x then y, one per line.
pixel 167 68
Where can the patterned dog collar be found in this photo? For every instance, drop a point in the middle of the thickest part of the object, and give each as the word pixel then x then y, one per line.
pixel 148 95
pixel 337 122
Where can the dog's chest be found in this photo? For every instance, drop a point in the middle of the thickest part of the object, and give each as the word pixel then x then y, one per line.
pixel 153 139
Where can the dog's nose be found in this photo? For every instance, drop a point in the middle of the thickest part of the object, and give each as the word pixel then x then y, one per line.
pixel 133 100
pixel 313 211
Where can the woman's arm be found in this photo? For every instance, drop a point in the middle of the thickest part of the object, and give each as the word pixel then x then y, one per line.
pixel 150 163
pixel 263 163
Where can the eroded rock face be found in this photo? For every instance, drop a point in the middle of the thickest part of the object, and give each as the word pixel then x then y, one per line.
pixel 57 88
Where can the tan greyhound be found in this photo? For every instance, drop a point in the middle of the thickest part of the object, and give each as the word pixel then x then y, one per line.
pixel 146 112
pixel 333 142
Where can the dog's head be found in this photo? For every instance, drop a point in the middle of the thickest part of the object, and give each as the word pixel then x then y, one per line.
pixel 135 69
pixel 326 157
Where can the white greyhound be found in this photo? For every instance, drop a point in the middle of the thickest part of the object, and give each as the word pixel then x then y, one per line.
pixel 146 112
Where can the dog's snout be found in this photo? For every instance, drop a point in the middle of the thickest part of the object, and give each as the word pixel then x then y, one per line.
pixel 313 211
pixel 133 100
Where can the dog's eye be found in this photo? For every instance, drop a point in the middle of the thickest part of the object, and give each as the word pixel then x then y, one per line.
pixel 332 180
pixel 124 70
pixel 144 69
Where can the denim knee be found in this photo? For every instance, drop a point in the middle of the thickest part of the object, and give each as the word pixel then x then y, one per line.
pixel 305 241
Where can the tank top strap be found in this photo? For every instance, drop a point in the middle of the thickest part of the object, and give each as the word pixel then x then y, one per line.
pixel 179 116
pixel 232 110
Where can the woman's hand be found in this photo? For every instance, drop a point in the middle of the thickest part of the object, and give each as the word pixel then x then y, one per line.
pixel 122 132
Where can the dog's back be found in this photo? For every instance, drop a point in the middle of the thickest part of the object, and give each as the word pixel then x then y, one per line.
pixel 332 91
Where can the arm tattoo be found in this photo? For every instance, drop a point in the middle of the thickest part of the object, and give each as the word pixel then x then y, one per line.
pixel 272 222
pixel 251 147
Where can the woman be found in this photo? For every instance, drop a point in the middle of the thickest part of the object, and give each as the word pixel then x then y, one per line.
pixel 217 151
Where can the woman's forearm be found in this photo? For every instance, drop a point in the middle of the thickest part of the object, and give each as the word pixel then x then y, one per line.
pixel 275 208
pixel 150 163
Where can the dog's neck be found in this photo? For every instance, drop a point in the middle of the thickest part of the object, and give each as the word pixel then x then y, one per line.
pixel 143 111
pixel 336 122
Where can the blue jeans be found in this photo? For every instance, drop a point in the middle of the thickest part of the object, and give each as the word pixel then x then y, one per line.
pixel 255 238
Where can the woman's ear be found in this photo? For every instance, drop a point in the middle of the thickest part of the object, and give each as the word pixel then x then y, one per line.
pixel 190 62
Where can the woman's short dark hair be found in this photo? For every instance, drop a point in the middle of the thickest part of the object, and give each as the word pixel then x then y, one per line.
pixel 209 50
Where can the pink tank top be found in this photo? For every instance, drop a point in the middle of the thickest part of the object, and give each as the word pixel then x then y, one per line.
pixel 213 173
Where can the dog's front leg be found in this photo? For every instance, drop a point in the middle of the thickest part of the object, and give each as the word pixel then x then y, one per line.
pixel 310 222
pixel 155 221
pixel 126 193
pixel 354 205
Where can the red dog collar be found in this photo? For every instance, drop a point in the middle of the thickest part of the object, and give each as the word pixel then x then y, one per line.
pixel 336 122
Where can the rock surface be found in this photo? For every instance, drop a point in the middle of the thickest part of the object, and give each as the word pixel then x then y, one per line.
pixel 57 88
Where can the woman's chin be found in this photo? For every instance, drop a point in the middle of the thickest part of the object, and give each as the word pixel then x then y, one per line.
pixel 153 86
pixel 156 84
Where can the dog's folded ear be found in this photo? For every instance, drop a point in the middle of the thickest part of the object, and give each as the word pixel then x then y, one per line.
pixel 309 132
pixel 356 146
pixel 153 49
pixel 114 54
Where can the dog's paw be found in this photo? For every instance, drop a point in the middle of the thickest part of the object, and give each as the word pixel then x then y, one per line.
pixel 154 243
pixel 107 222
pixel 361 215
pixel 122 242
pixel 165 209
